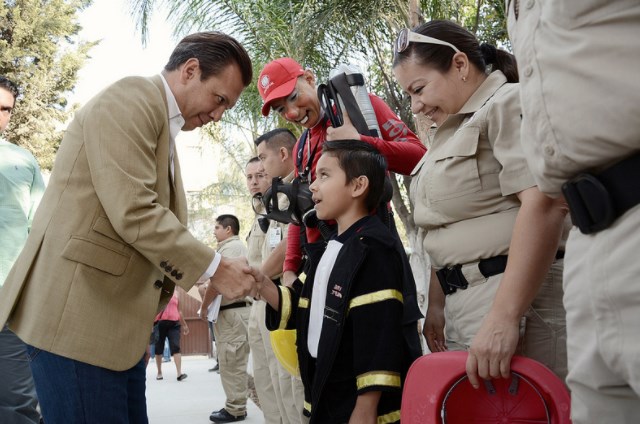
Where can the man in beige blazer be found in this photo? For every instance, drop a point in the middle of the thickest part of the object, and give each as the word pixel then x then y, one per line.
pixel 109 240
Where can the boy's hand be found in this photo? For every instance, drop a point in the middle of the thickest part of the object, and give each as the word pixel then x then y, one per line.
pixel 344 132
pixel 366 409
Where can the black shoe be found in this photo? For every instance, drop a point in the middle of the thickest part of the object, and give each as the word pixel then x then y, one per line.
pixel 223 416
pixel 216 368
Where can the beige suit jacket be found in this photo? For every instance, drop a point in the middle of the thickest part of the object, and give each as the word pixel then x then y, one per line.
pixel 109 238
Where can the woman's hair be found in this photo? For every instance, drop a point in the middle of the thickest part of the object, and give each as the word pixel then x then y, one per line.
pixel 482 56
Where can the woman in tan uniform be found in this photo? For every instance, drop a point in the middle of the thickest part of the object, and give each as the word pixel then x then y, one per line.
pixel 495 241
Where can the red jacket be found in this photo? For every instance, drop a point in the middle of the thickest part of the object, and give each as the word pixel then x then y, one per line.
pixel 399 145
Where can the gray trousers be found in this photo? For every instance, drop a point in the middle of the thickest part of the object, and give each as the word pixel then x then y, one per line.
pixel 18 399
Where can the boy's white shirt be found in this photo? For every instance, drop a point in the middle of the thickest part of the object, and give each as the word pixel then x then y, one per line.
pixel 319 295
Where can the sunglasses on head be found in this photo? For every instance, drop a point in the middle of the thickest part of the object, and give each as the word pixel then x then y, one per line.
pixel 407 36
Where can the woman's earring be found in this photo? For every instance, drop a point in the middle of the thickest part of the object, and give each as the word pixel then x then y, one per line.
pixel 464 79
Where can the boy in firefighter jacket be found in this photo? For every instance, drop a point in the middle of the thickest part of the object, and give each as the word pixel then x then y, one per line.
pixel 348 312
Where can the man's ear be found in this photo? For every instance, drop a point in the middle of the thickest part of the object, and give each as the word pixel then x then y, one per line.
pixel 359 186
pixel 190 69
pixel 309 76
pixel 284 154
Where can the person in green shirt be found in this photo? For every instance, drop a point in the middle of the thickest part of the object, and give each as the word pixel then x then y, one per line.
pixel 21 188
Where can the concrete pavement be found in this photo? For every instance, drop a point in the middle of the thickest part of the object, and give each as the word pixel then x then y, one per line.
pixel 192 400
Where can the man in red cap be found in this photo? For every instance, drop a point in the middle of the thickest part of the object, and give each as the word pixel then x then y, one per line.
pixel 290 90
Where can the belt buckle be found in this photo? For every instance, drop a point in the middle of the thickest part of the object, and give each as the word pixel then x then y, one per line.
pixel 589 202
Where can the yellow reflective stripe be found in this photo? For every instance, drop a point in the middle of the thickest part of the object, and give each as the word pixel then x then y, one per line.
pixel 303 302
pixel 391 417
pixel 285 307
pixel 302 277
pixel 378 378
pixel 307 406
pixel 379 296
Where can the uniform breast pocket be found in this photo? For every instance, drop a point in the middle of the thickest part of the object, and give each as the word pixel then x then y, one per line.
pixel 455 166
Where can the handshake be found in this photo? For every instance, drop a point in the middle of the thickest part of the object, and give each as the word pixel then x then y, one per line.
pixel 234 279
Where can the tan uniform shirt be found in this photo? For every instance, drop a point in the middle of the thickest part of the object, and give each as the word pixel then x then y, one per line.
pixel 232 247
pixel 592 128
pixel 277 230
pixel 464 188
pixel 255 241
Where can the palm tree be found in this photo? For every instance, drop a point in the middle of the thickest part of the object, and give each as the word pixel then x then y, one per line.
pixel 321 34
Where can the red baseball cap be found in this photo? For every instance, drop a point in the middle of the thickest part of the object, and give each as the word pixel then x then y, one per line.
pixel 278 79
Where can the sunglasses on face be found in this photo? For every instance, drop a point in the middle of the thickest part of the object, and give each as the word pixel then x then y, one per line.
pixel 407 36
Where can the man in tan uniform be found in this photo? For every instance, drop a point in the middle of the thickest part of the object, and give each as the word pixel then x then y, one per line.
pixel 578 65
pixel 230 330
pixel 258 182
pixel 275 152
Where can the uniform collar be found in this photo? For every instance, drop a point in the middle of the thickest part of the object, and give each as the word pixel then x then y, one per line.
pixel 223 242
pixel 487 89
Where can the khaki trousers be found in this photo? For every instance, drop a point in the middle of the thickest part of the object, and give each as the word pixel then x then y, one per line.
pixel 263 357
pixel 602 298
pixel 273 382
pixel 543 328
pixel 233 355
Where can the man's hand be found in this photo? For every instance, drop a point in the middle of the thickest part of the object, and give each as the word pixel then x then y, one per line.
pixel 492 349
pixel 231 279
pixel 433 330
pixel 203 313
pixel 344 132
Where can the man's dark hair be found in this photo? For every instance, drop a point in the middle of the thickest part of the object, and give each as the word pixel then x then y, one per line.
pixel 229 220
pixel 358 158
pixel 10 86
pixel 252 160
pixel 214 51
pixel 280 137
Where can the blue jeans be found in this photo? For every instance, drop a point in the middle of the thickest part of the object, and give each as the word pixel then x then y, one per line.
pixel 71 391
pixel 18 400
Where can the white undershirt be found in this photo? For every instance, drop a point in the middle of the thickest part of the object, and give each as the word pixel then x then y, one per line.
pixel 319 295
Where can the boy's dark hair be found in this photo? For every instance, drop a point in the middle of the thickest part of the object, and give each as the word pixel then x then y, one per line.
pixel 280 137
pixel 10 86
pixel 228 220
pixel 214 51
pixel 252 160
pixel 358 158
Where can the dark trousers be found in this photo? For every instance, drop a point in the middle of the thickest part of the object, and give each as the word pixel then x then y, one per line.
pixel 71 391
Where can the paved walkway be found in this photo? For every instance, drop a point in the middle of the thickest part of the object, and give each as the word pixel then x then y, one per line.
pixel 192 400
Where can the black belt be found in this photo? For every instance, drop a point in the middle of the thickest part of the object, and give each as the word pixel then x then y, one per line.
pixel 234 305
pixel 452 278
pixel 596 201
